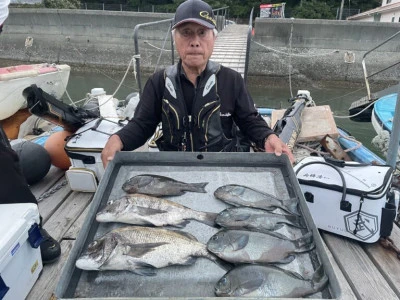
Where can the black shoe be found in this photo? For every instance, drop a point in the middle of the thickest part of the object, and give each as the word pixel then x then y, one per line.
pixel 49 248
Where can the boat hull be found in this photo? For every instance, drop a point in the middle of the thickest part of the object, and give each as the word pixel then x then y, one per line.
pixel 13 80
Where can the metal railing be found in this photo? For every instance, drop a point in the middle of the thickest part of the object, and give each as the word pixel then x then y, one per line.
pixel 221 16
pixel 249 34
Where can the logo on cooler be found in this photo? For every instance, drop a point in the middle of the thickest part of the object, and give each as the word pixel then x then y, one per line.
pixel 367 225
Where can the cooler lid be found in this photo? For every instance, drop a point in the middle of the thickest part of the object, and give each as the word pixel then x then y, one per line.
pixel 15 219
pixel 94 135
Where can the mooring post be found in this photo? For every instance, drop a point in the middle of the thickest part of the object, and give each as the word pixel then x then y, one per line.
pixel 395 135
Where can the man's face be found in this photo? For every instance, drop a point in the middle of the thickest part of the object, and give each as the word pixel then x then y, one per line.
pixel 194 44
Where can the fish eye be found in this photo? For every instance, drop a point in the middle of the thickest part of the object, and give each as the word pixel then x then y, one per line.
pixel 215 238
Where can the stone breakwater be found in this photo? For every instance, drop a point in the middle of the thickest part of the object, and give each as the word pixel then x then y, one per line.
pixel 308 50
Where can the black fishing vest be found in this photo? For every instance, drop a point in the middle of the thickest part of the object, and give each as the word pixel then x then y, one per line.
pixel 200 129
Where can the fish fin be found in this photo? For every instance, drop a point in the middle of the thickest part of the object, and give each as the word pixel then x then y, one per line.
pixel 305 243
pixel 291 206
pixel 197 187
pixel 242 217
pixel 240 242
pixel 208 218
pixel 249 286
pixel 190 261
pixel 319 279
pixel 143 269
pixel 227 266
pixel 186 234
pixel 138 250
pixel 295 221
pixel 147 211
pixel 182 224
pixel 287 259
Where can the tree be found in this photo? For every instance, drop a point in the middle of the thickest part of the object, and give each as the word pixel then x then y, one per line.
pixel 68 4
pixel 313 9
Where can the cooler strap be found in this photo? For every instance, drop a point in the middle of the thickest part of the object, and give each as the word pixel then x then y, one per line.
pixel 344 205
pixel 89 160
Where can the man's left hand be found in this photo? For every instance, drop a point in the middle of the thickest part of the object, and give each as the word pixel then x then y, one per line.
pixel 273 144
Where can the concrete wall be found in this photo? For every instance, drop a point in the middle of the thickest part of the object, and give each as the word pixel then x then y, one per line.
pixel 80 36
pixel 321 50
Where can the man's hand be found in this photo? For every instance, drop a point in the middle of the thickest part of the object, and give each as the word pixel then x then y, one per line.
pixel 113 145
pixel 273 144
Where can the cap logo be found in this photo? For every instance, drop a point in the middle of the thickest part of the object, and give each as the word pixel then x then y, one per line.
pixel 206 15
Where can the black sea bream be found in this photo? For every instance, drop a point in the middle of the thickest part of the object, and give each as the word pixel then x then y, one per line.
pixel 139 209
pixel 156 185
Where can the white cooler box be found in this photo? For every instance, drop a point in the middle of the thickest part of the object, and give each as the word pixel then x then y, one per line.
pixel 20 259
pixel 348 198
pixel 84 150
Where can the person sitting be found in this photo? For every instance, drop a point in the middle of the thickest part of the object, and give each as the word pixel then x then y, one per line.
pixel 15 190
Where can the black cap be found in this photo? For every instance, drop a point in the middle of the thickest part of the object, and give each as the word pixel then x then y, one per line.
pixel 196 11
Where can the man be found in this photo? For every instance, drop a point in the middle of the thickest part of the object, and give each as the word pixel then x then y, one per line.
pixel 13 186
pixel 198 101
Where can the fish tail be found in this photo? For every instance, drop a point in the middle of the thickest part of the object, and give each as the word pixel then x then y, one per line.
pixel 208 218
pixel 296 221
pixel 319 279
pixel 220 262
pixel 305 243
pixel 292 206
pixel 197 187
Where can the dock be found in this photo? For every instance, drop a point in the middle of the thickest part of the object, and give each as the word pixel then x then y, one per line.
pixel 365 271
pixel 231 47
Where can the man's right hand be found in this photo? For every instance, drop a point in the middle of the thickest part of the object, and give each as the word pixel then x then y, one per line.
pixel 113 146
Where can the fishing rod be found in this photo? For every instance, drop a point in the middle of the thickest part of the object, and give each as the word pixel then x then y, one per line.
pixel 288 127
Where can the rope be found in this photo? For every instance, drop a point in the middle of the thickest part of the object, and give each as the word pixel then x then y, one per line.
pixel 133 60
pixel 155 47
pixel 360 112
pixel 388 243
pixel 161 52
pixel 296 55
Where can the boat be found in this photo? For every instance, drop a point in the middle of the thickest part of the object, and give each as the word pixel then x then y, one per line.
pixel 52 78
pixel 383 113
pixel 382 121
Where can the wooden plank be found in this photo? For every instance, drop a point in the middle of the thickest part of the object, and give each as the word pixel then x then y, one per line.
pixel 47 182
pixel 317 121
pixel 386 260
pixel 46 284
pixel 73 231
pixel 50 204
pixel 365 279
pixel 66 215
pixel 346 291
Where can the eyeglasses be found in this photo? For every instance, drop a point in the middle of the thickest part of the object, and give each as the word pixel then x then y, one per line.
pixel 189 33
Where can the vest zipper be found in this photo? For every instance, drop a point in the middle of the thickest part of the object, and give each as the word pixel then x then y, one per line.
pixel 201 110
pixel 208 119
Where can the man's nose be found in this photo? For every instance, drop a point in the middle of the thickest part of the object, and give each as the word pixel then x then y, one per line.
pixel 195 41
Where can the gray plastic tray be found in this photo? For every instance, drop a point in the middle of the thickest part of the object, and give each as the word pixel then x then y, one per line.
pixel 262 171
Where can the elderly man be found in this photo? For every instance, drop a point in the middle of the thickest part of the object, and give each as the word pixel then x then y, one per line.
pixel 198 101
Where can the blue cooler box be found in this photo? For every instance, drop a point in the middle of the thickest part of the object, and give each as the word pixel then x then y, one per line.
pixel 20 259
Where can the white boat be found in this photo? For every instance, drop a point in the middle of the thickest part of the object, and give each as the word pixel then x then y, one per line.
pixel 52 78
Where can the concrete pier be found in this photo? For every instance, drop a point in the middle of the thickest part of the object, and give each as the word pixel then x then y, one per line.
pixel 308 50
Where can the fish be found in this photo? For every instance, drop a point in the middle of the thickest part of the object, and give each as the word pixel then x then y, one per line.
pixel 239 195
pixel 269 281
pixel 139 209
pixel 155 185
pixel 256 219
pixel 143 250
pixel 242 246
